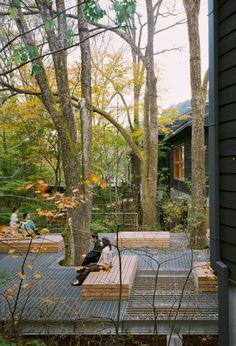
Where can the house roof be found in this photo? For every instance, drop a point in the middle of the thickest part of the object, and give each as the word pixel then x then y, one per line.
pixel 180 125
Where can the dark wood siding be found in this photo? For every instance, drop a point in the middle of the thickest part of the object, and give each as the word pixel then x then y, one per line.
pixel 227 132
pixel 184 137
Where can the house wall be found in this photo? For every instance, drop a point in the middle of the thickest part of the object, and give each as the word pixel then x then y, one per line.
pixel 227 132
pixel 222 146
pixel 184 138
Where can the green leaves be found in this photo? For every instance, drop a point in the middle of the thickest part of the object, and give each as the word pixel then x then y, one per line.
pixel 93 11
pixel 124 10
pixel 27 53
pixel 36 69
pixel 69 37
pixel 13 12
pixel 49 24
pixel 16 3
pixel 23 54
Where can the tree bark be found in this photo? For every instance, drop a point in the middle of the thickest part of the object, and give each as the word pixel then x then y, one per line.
pixel 85 114
pixel 149 166
pixel 64 118
pixel 197 224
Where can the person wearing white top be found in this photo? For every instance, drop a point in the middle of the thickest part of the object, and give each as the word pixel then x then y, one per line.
pixel 14 218
pixel 104 263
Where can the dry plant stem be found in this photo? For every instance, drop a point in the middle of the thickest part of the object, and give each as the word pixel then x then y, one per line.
pixel 181 297
pixel 19 289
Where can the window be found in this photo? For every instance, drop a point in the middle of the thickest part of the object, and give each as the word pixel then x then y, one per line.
pixel 178 156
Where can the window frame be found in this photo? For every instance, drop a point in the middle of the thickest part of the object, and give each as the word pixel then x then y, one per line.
pixel 178 162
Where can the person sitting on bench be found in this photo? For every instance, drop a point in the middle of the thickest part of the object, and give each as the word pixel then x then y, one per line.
pixel 104 263
pixel 28 225
pixel 93 255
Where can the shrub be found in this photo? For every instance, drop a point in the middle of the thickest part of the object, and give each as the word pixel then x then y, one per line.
pixel 174 215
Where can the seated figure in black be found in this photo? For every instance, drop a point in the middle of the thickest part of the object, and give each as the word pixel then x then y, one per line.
pixel 104 263
pixel 93 255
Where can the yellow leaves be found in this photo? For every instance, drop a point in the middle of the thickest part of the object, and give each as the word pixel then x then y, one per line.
pixel 37 276
pixel 43 231
pixel 95 179
pixel 29 265
pixel 25 285
pixel 137 134
pixel 11 251
pixel 49 214
pixel 39 185
pixel 29 186
pixel 103 185
pixel 38 249
pixel 50 301
pixel 22 276
pixel 9 295
pixel 67 202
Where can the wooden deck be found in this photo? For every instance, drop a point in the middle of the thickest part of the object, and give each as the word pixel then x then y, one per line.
pixel 43 243
pixel 106 285
pixel 156 240
pixel 204 278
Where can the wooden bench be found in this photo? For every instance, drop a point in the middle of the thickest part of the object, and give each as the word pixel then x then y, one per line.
pixel 204 278
pixel 106 285
pixel 157 240
pixel 44 243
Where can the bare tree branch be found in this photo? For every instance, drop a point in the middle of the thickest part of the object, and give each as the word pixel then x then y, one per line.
pixel 180 22
pixel 168 50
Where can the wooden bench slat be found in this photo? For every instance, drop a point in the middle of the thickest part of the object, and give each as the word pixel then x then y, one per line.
pixel 106 285
pixel 48 242
pixel 144 239
pixel 204 278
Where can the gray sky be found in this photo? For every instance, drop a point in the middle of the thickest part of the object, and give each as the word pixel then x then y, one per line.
pixel 174 66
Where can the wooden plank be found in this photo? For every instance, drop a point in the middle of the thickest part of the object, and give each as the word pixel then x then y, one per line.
pixel 204 278
pixel 227 112
pixel 228 182
pixel 228 252
pixel 106 285
pixel 228 234
pixel 103 277
pixel 226 9
pixel 227 60
pixel 227 199
pixel 227 165
pixel 227 95
pixel 227 217
pixel 227 43
pixel 227 26
pixel 144 239
pixel 227 78
pixel 221 2
pixel 227 147
pixel 46 243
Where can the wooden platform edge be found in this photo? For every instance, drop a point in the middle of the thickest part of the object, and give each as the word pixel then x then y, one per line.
pixel 114 291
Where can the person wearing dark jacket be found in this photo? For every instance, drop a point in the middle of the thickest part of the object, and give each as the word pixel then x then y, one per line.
pixel 104 263
pixel 93 255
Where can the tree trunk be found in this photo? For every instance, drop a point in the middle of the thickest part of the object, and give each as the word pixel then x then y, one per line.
pixel 85 113
pixel 149 169
pixel 63 119
pixel 197 225
pixel 135 183
pixel 138 75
